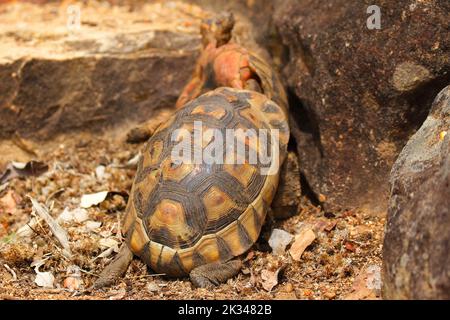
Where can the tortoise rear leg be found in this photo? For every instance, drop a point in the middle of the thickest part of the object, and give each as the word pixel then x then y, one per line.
pixel 286 202
pixel 252 84
pixel 116 269
pixel 212 274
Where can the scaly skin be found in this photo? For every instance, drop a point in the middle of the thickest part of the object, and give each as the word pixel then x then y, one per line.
pixel 225 66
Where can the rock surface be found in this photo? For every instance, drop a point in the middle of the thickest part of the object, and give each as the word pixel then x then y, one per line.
pixel 417 240
pixel 359 94
pixel 56 77
pixel 279 240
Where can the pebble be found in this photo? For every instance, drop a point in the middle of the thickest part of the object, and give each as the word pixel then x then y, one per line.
pixel 152 287
pixel 302 241
pixel 329 295
pixel 289 287
pixel 279 240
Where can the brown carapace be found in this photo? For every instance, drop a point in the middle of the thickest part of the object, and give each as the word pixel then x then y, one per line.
pixel 183 215
pixel 195 218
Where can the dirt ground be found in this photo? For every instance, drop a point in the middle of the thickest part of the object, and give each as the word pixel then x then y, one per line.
pixel 342 262
pixel 342 258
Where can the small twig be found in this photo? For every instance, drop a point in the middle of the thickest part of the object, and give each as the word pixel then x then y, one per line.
pixel 57 192
pixel 32 227
pixel 119 229
pixel 14 275
pixel 148 276
pixel 23 144
pixel 44 232
pixel 89 273
pixel 46 235
pixel 131 164
pixel 52 291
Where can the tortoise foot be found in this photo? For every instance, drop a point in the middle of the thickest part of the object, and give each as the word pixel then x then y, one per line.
pixel 116 269
pixel 252 84
pixel 144 131
pixel 213 274
pixel 139 134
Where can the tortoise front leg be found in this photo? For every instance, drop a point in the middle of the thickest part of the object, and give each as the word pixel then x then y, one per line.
pixel 144 131
pixel 116 269
pixel 212 274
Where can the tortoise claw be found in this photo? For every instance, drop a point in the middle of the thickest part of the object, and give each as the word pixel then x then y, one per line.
pixel 212 274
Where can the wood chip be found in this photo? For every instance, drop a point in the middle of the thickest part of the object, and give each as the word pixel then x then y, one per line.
pixel 301 242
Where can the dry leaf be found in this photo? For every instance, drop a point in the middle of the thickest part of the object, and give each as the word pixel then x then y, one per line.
pixel 92 199
pixel 100 172
pixel 77 215
pixel 270 279
pixel 111 245
pixel 19 169
pixel 9 201
pixel 131 164
pixel 13 273
pixel 43 279
pixel 301 242
pixel 89 200
pixel 108 243
pixel 367 284
pixel 27 230
pixel 107 252
pixel 59 233
pixel 93 225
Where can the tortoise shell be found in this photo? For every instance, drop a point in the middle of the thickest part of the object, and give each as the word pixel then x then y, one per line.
pixel 183 215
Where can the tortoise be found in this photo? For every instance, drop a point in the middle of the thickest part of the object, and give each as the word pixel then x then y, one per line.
pixel 194 218
pixel 221 64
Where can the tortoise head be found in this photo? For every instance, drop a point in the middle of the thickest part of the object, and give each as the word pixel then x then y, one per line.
pixel 217 30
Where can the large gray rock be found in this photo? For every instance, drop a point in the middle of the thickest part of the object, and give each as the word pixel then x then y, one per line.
pixel 118 66
pixel 417 241
pixel 359 94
